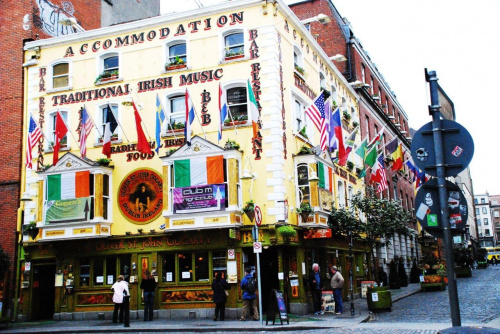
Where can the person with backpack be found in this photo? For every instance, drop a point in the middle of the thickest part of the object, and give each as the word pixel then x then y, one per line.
pixel 220 287
pixel 249 287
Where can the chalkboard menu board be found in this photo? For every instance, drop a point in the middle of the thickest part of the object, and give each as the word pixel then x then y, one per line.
pixel 277 307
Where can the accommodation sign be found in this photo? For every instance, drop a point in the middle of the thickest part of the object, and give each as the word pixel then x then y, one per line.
pixel 211 197
pixel 140 196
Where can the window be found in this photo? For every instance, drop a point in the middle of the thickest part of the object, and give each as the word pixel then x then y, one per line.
pixel 300 124
pixel 234 45
pixel 483 200
pixel 60 75
pixel 341 194
pixel 298 60
pixel 192 266
pixel 477 211
pixel 110 64
pixel 51 125
pixel 237 103
pixel 485 220
pixel 363 73
pixel 487 232
pixel 496 214
pixel 322 81
pixel 334 95
pixel 367 128
pixel 106 197
pixel 176 52
pixel 176 111
pixel 475 201
pixel 478 221
pixel 103 271
pixel 108 67
pixel 484 210
pixel 109 113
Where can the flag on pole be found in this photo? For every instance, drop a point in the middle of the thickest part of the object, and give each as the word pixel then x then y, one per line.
pixel 378 174
pixel 339 137
pixel 109 129
pixel 349 145
pixel 160 118
pixel 34 135
pixel 198 171
pixel 396 151
pixel 60 131
pixel 254 110
pixel 316 110
pixel 142 142
pixel 377 139
pixel 222 109
pixel 85 128
pixel 189 118
pixel 330 130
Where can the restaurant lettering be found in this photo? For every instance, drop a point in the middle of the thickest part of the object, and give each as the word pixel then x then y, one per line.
pixel 147 243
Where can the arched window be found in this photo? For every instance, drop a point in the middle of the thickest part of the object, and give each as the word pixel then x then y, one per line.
pixel 51 129
pixel 176 54
pixel 233 44
pixel 59 73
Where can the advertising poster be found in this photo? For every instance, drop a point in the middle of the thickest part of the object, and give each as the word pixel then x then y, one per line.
pixel 68 210
pixel 210 197
pixel 140 196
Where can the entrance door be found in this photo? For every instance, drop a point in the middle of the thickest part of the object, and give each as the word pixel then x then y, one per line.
pixel 43 292
pixel 269 274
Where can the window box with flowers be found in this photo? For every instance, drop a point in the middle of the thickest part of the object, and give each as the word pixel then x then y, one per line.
pixel 233 54
pixel 304 150
pixel 114 137
pixel 346 115
pixel 176 64
pixel 237 120
pixel 106 76
pixel 304 210
pixel 300 70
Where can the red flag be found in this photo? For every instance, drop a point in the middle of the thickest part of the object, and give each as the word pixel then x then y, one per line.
pixel 61 130
pixel 142 142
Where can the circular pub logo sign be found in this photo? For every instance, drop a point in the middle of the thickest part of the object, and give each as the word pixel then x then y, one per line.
pixel 140 196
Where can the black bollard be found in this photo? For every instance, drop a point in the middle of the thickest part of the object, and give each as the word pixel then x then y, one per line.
pixel 126 310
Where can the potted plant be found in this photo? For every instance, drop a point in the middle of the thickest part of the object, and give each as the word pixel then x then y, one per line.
pixel 299 69
pixel 231 144
pixel 304 210
pixel 103 161
pixel 304 150
pixel 287 232
pixel 175 64
pixel 249 209
pixel 31 229
pixel 346 115
pixel 106 76
pixel 303 133
pixel 234 54
pixel 355 124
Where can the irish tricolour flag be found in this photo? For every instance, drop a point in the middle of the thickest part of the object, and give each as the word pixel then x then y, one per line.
pixel 199 171
pixel 325 175
pixel 68 186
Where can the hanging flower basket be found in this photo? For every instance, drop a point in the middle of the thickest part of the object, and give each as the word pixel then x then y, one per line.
pixel 304 210
pixel 304 215
pixel 249 209
pixel 32 230
pixel 287 231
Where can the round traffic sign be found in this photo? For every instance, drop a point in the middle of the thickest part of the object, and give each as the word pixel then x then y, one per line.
pixel 258 216
pixel 457 143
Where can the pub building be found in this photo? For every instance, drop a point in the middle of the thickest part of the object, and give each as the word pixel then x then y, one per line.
pixel 177 210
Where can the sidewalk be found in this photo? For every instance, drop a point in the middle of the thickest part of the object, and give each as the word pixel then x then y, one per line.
pixel 297 323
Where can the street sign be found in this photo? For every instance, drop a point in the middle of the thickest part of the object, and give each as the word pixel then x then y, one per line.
pixel 458 148
pixel 429 211
pixel 257 247
pixel 258 215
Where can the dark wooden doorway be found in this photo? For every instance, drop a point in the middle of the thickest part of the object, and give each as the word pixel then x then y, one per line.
pixel 43 291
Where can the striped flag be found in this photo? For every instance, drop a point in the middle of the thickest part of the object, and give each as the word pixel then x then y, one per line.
pixel 254 110
pixel 339 137
pixel 85 128
pixel 316 111
pixel 378 174
pixel 325 175
pixel 349 144
pixel 68 185
pixel 189 118
pixel 199 171
pixel 34 136
pixel 160 118
pixel 222 109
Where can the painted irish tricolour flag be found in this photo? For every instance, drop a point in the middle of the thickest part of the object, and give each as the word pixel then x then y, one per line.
pixel 199 171
pixel 68 186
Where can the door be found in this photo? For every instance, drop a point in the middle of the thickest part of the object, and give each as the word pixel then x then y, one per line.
pixel 43 291
pixel 269 274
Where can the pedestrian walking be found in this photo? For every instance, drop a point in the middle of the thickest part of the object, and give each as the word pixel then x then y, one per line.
pixel 249 286
pixel 316 291
pixel 337 283
pixel 148 286
pixel 120 289
pixel 220 287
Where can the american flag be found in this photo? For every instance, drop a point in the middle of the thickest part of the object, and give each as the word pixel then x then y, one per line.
pixel 379 174
pixel 34 135
pixel 86 127
pixel 316 112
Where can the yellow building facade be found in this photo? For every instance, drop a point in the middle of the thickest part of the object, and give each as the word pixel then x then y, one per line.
pixel 179 212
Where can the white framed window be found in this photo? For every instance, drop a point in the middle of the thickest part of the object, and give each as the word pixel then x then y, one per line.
pixel 298 60
pixel 108 67
pixel 363 73
pixel 176 54
pixel 322 81
pixel 176 111
pixel 59 73
pixel 477 211
pixel 303 188
pixel 484 210
pixel 334 94
pixel 496 214
pixel 237 102
pixel 487 232
pixel 301 126
pixel 341 194
pixel 51 130
pixel 478 221
pixel 485 220
pixel 102 118
pixel 233 44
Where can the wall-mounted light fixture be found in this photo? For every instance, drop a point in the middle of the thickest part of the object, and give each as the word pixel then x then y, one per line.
pixel 338 57
pixel 321 18
pixel 140 230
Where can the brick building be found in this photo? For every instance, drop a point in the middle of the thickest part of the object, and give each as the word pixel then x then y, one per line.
pixel 23 21
pixel 379 109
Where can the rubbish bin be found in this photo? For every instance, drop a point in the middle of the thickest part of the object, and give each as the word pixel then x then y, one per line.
pixel 379 298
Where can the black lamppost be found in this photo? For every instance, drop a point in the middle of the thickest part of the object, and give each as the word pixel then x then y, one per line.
pixel 350 271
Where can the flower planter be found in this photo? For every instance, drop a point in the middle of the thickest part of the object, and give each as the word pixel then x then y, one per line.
pixel 304 215
pixel 379 298
pixel 33 232
pixel 233 57
pixel 175 67
pixel 433 281
pixel 250 214
pixel 113 77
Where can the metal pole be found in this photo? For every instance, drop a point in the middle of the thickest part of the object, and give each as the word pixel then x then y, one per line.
pixel 258 277
pixel 443 198
pixel 351 274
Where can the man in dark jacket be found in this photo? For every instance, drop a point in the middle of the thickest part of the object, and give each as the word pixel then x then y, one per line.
pixel 315 284
pixel 249 297
pixel 219 287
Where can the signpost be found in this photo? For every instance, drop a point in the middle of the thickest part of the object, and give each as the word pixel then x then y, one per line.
pixel 257 249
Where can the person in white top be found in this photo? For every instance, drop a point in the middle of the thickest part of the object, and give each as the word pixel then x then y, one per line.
pixel 120 289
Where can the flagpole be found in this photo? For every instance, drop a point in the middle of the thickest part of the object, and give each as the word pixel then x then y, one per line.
pixel 43 134
pixel 95 125
pixel 232 120
pixel 72 135
pixel 198 118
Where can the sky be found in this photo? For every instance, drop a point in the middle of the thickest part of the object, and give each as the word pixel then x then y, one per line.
pixel 458 39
